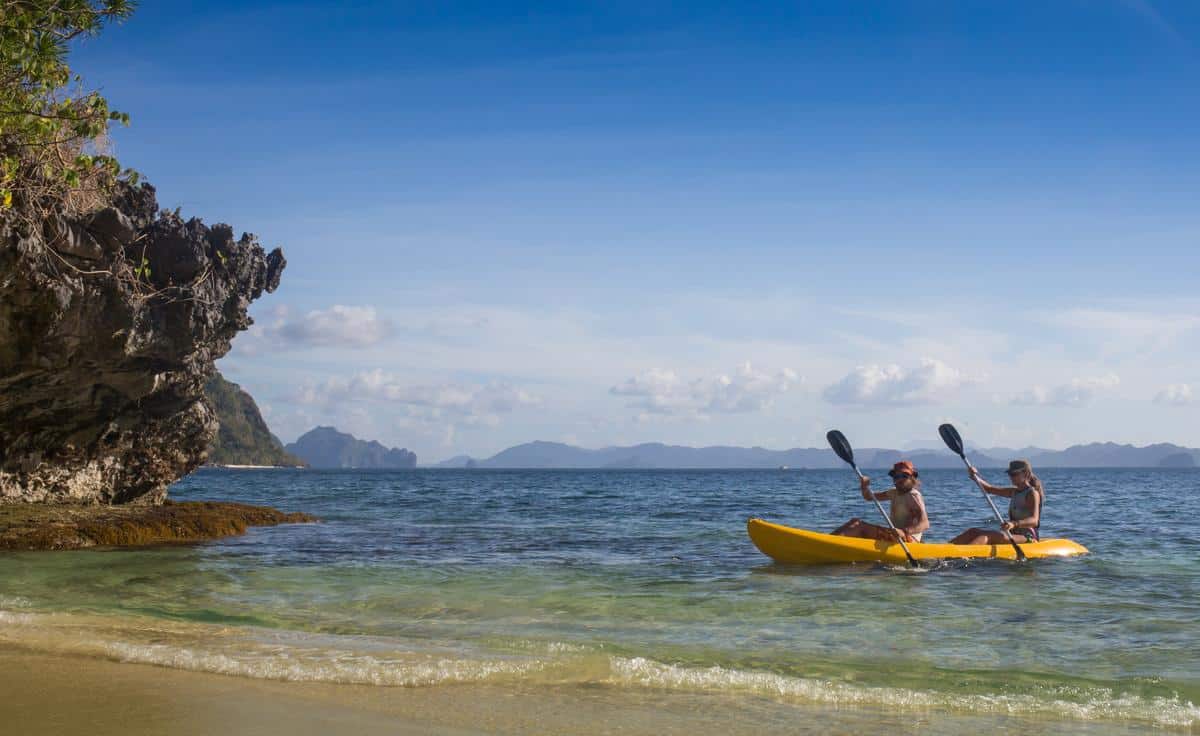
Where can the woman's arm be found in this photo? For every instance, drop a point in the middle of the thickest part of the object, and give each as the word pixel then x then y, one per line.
pixel 865 484
pixel 1005 491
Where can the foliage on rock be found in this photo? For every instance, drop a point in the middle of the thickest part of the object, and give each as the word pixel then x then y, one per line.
pixel 243 437
pixel 53 131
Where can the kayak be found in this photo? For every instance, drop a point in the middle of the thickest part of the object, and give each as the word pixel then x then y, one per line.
pixel 801 546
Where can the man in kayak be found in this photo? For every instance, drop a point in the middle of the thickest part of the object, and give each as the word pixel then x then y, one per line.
pixel 907 510
pixel 1025 497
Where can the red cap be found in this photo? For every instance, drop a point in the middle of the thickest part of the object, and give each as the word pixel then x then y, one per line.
pixel 904 466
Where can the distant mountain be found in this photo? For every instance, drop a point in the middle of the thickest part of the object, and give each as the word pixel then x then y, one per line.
pixel 657 455
pixel 458 461
pixel 243 438
pixel 325 447
pixel 1109 454
pixel 1178 460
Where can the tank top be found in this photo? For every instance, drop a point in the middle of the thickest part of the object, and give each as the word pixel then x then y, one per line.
pixel 1021 505
pixel 901 509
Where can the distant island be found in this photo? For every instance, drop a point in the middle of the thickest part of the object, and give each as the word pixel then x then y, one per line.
pixel 657 455
pixel 244 440
pixel 325 447
pixel 243 437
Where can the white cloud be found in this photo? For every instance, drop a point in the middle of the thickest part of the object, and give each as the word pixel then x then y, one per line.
pixel 450 403
pixel 1176 394
pixel 664 393
pixel 338 326
pixel 1079 392
pixel 891 385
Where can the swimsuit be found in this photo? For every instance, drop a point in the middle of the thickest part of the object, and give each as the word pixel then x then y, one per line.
pixel 901 511
pixel 1021 506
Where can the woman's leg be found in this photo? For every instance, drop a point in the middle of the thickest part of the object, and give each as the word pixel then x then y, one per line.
pixel 864 530
pixel 848 529
pixel 984 536
pixel 974 535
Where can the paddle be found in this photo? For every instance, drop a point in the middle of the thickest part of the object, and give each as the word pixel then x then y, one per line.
pixel 954 441
pixel 841 446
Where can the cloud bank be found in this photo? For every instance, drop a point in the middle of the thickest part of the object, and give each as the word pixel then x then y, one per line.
pixel 453 403
pixel 891 385
pixel 1078 393
pixel 1176 394
pixel 338 326
pixel 664 393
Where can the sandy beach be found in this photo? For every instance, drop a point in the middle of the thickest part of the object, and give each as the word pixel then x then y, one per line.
pixel 54 694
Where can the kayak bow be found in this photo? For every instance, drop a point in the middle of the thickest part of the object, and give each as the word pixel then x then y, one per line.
pixel 801 546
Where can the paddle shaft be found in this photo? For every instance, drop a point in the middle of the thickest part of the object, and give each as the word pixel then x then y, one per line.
pixel 996 511
pixel 899 535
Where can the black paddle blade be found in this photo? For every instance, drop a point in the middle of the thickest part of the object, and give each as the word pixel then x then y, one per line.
pixel 952 439
pixel 840 445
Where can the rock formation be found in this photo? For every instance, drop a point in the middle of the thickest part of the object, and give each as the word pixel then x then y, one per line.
pixel 109 326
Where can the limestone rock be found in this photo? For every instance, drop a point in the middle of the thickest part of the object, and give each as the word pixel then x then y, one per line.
pixel 109 327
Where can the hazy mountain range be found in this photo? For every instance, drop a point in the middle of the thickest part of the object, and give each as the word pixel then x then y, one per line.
pixel 657 455
pixel 245 439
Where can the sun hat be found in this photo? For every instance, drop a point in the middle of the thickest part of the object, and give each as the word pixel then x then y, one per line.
pixel 1016 466
pixel 904 466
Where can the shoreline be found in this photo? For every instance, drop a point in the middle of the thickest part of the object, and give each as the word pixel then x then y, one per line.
pixel 53 693
pixel 29 526
pixel 219 466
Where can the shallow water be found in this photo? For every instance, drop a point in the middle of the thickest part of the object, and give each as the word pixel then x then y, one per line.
pixel 644 582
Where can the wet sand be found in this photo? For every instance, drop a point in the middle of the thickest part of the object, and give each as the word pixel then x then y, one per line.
pixel 53 694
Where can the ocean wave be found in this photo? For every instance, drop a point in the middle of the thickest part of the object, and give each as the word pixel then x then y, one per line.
pixel 349 670
pixel 298 657
pixel 1089 704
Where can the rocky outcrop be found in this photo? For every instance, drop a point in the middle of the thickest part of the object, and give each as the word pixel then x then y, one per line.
pixel 109 326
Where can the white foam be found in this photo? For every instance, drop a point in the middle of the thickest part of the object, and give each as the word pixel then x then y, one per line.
pixel 299 657
pixel 1094 703
pixel 354 670
pixel 12 618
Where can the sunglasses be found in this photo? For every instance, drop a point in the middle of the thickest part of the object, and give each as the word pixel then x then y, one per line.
pixel 898 476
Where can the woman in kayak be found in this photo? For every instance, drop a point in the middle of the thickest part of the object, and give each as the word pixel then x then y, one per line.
pixel 907 511
pixel 1025 497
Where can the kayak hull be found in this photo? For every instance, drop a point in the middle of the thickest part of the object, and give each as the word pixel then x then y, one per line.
pixel 802 546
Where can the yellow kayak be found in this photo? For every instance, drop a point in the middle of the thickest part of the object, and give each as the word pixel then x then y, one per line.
pixel 801 546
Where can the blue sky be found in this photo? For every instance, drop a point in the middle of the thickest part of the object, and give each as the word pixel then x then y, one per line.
pixel 728 223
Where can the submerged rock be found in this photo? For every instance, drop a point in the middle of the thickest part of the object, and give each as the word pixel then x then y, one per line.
pixel 109 327
pixel 68 526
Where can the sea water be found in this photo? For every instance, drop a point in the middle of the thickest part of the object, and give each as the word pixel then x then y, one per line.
pixel 640 584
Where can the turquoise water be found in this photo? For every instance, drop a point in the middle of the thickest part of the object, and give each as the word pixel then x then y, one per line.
pixel 644 581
